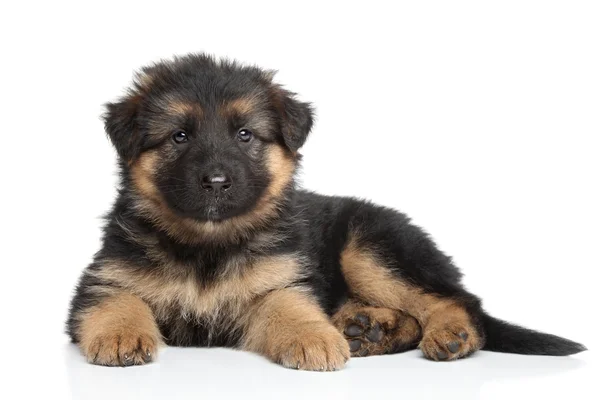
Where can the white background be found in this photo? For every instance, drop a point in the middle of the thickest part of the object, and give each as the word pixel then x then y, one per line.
pixel 478 119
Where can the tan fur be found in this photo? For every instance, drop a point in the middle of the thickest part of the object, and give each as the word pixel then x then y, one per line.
pixel 184 108
pixel 444 328
pixel 255 113
pixel 400 331
pixel 373 283
pixel 121 330
pixel 144 80
pixel 281 167
pixel 241 106
pixel 289 327
pixel 143 171
pixel 349 310
pixel 175 288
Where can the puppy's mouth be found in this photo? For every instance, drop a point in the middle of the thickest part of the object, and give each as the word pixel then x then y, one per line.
pixel 214 213
pixel 215 209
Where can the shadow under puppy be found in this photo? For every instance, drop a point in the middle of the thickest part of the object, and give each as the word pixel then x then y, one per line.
pixel 210 243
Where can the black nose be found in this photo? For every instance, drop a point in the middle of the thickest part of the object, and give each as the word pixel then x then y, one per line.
pixel 217 182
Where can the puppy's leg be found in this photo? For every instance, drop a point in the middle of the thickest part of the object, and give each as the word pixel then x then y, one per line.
pixel 398 267
pixel 119 329
pixel 289 327
pixel 372 330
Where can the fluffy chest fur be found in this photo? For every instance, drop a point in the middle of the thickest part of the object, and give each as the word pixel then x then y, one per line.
pixel 179 297
pixel 172 288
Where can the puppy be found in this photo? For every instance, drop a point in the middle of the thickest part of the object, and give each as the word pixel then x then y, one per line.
pixel 210 242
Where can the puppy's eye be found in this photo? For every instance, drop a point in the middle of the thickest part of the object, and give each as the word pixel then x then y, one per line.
pixel 180 137
pixel 244 135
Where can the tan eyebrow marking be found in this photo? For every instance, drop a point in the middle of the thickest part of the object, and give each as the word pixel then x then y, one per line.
pixel 184 108
pixel 241 106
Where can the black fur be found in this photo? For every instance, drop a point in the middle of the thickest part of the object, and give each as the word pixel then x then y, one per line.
pixel 314 226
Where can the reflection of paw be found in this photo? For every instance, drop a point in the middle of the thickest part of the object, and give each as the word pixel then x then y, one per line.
pixel 315 346
pixel 449 343
pixel 121 349
pixel 372 331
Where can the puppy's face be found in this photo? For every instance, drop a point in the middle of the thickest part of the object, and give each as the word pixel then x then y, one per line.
pixel 208 140
pixel 213 158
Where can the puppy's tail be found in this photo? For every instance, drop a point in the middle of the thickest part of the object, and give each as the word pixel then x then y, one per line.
pixel 508 338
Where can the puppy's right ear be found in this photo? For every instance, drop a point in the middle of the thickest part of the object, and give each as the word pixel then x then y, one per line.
pixel 120 125
pixel 121 117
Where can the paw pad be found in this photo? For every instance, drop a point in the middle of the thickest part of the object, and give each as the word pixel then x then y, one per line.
pixel 371 331
pixel 448 343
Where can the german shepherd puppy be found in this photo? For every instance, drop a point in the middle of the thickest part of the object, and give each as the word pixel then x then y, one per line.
pixel 210 242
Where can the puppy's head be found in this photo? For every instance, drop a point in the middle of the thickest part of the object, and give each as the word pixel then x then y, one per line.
pixel 207 142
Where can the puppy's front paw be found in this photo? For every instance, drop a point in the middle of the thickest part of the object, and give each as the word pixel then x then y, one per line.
pixel 315 346
pixel 121 348
pixel 121 330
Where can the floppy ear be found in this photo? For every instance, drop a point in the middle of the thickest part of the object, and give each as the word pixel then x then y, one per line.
pixel 296 118
pixel 120 125
pixel 120 118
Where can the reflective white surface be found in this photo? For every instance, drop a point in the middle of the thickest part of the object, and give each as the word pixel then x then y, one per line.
pixel 222 373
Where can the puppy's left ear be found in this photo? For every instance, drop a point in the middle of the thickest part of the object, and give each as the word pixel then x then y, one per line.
pixel 296 117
